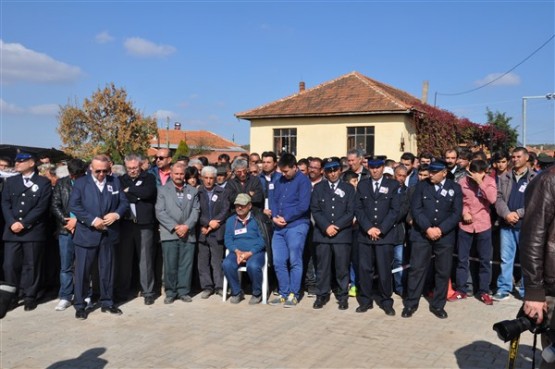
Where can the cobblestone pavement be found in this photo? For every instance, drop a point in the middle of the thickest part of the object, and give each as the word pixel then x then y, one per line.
pixel 213 334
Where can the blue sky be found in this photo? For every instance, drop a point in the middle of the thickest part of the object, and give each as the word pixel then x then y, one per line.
pixel 201 62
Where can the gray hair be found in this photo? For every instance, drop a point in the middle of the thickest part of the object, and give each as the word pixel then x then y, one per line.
pixel 239 163
pixel 208 171
pixel 358 152
pixel 400 168
pixel 118 170
pixel 133 157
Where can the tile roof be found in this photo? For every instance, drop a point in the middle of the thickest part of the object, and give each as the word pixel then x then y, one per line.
pixel 351 94
pixel 194 139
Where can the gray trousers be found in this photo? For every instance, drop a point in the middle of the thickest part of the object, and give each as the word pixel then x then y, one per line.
pixel 135 239
pixel 178 267
pixel 209 261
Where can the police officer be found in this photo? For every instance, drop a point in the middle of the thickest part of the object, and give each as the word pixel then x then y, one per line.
pixel 25 200
pixel 332 206
pixel 436 208
pixel 377 210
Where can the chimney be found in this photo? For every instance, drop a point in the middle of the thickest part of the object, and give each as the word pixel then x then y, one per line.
pixel 425 86
pixel 177 126
pixel 301 86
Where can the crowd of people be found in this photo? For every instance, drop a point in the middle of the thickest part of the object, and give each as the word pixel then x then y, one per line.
pixel 357 226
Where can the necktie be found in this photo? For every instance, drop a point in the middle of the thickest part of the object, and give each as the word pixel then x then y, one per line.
pixel 376 187
pixel 333 185
pixel 439 188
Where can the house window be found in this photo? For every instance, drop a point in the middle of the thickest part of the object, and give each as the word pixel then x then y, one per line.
pixel 285 140
pixel 361 138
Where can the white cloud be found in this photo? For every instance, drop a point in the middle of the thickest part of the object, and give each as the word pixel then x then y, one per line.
pixel 104 37
pixel 45 109
pixel 22 64
pixel 164 114
pixel 143 48
pixel 510 79
pixel 7 108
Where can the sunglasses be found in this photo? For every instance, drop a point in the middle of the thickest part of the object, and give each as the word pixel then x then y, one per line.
pixel 161 157
pixel 103 171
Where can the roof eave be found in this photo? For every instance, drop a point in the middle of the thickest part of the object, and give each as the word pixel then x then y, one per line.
pixel 315 115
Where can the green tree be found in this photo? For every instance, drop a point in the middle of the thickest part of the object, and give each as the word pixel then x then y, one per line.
pixel 501 123
pixel 182 150
pixel 106 123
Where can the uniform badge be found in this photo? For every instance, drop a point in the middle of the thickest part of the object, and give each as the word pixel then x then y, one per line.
pixel 35 188
pixel 384 190
pixel 451 192
pixel 110 189
pixel 339 192
pixel 443 192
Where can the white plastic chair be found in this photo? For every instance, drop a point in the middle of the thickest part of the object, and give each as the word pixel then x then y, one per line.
pixel 243 268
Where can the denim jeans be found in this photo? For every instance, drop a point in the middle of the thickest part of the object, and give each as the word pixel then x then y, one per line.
pixel 485 251
pixel 398 262
pixel 67 256
pixel 287 246
pixel 509 244
pixel 254 269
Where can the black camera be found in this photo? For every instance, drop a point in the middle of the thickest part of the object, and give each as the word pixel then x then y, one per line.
pixel 507 330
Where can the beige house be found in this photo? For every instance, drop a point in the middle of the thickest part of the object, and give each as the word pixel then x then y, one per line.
pixel 352 111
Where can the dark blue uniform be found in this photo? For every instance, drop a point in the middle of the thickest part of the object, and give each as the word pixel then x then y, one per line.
pixel 28 204
pixel 333 207
pixel 432 208
pixel 376 208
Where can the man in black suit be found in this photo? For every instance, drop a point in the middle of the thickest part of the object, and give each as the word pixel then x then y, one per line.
pixel 436 209
pixel 332 206
pixel 377 210
pixel 25 201
pixel 98 202
pixel 214 210
pixel 137 231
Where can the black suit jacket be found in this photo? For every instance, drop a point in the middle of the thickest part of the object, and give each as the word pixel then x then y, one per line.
pixel 431 209
pixel 28 205
pixel 220 211
pixel 379 210
pixel 141 192
pixel 336 208
pixel 252 185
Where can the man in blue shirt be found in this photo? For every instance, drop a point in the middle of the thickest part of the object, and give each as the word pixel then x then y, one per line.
pixel 245 239
pixel 290 205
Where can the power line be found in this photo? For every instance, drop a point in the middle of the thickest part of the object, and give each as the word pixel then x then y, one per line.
pixel 499 77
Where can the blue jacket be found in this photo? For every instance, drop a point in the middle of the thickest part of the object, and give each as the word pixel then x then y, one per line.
pixel 250 239
pixel 291 199
pixel 87 203
pixel 28 205
pixel 337 208
pixel 431 209
pixel 379 210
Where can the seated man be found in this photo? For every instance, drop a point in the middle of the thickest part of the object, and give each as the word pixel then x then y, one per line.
pixel 246 236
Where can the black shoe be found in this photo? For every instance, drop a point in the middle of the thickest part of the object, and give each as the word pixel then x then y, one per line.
pixel 364 308
pixel 343 305
pixel 440 313
pixel 30 305
pixel 81 314
pixel 111 309
pixel 320 302
pixel 149 300
pixel 389 311
pixel 408 311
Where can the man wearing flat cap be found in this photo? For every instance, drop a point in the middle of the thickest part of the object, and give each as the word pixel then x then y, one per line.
pixel 247 234
pixel 25 205
pixel 436 209
pixel 377 209
pixel 332 206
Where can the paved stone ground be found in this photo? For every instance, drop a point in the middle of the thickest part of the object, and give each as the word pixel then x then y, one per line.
pixel 213 334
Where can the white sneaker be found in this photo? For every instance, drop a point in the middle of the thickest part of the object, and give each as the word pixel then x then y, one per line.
pixel 90 305
pixel 62 305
